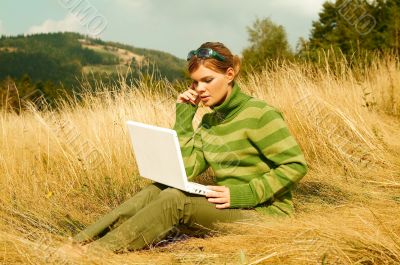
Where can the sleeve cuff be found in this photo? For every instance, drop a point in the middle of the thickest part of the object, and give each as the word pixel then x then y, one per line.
pixel 241 196
pixel 184 117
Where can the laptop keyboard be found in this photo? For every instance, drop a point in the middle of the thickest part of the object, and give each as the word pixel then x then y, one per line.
pixel 198 188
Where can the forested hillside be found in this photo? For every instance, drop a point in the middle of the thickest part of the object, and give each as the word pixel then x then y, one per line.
pixel 54 63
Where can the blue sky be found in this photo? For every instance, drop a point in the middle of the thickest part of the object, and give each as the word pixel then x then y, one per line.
pixel 174 26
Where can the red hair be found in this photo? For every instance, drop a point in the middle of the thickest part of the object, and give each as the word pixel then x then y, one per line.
pixel 214 64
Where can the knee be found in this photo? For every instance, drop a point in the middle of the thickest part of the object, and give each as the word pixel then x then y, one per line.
pixel 172 202
pixel 150 190
pixel 172 194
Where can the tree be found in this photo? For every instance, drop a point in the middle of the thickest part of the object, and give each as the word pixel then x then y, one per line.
pixel 352 27
pixel 268 41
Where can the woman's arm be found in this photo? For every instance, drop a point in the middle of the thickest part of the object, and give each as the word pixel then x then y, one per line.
pixel 190 142
pixel 275 142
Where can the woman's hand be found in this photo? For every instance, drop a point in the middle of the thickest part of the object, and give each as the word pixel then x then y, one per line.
pixel 189 95
pixel 219 195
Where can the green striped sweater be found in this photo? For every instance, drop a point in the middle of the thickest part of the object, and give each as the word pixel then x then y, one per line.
pixel 248 145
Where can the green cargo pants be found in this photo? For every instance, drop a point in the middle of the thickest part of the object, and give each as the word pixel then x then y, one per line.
pixel 151 214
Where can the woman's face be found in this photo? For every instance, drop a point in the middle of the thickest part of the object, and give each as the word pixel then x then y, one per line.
pixel 212 87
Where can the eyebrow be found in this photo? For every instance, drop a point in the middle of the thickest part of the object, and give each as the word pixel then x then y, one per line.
pixel 206 77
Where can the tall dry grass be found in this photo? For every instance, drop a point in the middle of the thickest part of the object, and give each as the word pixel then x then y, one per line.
pixel 60 171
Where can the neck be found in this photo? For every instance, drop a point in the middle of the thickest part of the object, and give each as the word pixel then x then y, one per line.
pixel 234 99
pixel 226 96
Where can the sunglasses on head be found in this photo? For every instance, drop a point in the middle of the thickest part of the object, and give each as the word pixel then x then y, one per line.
pixel 205 53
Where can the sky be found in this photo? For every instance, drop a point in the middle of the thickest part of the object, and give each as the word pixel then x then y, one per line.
pixel 173 26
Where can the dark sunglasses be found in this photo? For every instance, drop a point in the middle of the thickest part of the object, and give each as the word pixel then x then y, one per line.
pixel 205 53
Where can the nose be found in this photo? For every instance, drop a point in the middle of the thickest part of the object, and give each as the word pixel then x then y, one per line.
pixel 200 87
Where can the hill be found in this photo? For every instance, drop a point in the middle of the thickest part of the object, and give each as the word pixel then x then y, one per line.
pixel 54 61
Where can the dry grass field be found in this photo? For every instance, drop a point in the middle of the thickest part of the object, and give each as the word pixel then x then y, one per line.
pixel 60 171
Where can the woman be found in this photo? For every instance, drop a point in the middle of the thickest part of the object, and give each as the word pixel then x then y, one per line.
pixel 246 142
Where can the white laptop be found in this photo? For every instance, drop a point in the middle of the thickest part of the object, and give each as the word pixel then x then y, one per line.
pixel 158 156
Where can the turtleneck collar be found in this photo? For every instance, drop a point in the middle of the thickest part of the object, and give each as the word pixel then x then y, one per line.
pixel 231 104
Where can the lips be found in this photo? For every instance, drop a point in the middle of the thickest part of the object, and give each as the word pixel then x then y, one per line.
pixel 204 98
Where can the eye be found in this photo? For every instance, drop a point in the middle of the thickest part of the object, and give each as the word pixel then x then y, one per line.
pixel 209 80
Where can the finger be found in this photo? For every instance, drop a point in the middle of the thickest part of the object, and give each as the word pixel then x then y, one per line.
pixel 214 194
pixel 222 206
pixel 218 200
pixel 198 99
pixel 183 96
pixel 188 98
pixel 217 188
pixel 192 91
pixel 217 194
pixel 189 95
pixel 193 94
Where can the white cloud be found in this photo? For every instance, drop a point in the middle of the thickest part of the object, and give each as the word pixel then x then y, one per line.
pixel 69 23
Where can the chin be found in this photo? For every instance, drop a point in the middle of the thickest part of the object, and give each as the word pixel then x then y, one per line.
pixel 209 104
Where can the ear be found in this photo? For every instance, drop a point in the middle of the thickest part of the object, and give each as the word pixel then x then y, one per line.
pixel 230 74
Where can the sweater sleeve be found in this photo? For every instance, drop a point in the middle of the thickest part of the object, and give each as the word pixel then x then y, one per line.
pixel 189 141
pixel 276 144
